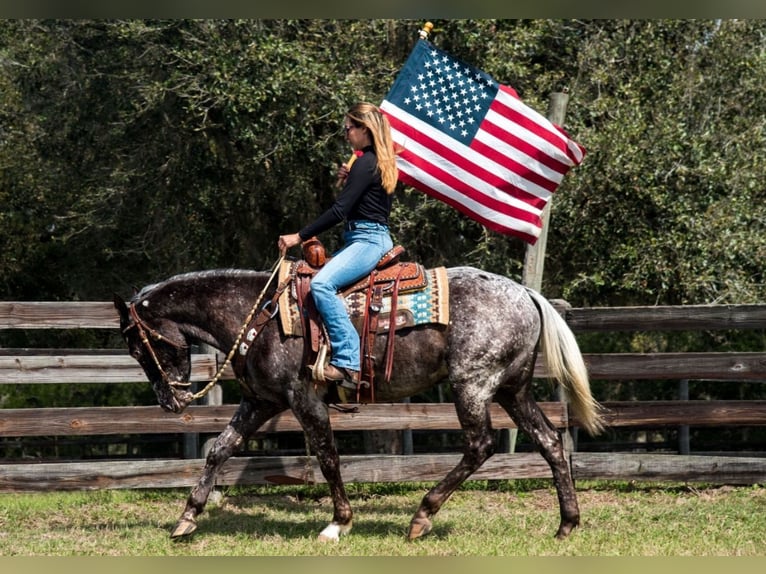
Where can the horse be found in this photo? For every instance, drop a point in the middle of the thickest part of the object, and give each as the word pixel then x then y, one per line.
pixel 486 353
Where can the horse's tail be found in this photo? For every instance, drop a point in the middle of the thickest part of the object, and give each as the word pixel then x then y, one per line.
pixel 565 364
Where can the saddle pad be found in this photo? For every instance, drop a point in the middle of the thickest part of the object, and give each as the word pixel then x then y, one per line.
pixel 428 305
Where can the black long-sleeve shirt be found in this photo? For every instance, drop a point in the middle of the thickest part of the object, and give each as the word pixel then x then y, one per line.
pixel 362 198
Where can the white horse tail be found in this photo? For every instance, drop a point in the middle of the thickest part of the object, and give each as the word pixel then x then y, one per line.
pixel 565 364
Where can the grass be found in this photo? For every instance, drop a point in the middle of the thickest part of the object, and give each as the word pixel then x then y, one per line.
pixel 499 518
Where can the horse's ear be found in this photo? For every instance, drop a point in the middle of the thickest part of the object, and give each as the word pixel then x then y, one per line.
pixel 122 308
pixel 135 290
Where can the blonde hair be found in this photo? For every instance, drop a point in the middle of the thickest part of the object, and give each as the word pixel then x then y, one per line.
pixel 370 116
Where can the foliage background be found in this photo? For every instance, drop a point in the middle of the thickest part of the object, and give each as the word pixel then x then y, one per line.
pixel 134 149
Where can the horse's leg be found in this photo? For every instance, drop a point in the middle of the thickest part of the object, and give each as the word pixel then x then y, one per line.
pixel 527 414
pixel 248 418
pixel 474 418
pixel 313 416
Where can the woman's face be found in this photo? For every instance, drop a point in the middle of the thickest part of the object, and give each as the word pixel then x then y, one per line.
pixel 357 136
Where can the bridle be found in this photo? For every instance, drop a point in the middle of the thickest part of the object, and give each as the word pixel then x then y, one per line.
pixel 144 332
pixel 143 329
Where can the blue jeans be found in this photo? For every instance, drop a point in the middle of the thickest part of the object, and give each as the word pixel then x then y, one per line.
pixel 364 246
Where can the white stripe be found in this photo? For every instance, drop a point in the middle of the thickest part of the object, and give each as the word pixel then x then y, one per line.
pixel 470 180
pixel 471 205
pixel 469 154
pixel 576 150
pixel 546 125
pixel 516 154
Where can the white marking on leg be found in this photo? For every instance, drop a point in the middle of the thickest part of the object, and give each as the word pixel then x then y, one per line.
pixel 333 531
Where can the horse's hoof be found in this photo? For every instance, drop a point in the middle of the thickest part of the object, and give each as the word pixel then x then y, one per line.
pixel 565 529
pixel 183 527
pixel 419 527
pixel 333 532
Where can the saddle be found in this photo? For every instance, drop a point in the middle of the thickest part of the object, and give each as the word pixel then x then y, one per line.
pixel 390 277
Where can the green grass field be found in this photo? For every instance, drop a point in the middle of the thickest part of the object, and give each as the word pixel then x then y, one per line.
pixel 502 518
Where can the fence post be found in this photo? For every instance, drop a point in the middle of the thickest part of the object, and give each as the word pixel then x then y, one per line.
pixel 191 443
pixel 534 258
pixel 407 447
pixel 214 397
pixel 683 430
pixel 191 440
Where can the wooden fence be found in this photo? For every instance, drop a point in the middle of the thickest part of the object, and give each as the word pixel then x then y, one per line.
pixel 27 366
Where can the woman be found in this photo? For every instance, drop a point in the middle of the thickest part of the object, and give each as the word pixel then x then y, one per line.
pixel 364 205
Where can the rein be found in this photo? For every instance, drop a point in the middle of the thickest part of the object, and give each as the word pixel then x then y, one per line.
pixel 233 350
pixel 143 329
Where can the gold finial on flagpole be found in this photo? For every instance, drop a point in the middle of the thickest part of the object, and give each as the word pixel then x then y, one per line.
pixel 426 30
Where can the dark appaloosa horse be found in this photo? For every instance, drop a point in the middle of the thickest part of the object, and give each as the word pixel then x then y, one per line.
pixel 487 353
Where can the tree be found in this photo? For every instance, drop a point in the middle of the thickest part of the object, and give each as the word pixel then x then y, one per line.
pixel 667 206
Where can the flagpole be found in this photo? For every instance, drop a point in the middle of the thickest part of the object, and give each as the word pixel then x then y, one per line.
pixel 425 30
pixel 534 259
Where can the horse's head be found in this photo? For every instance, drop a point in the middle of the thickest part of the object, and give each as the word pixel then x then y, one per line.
pixel 162 351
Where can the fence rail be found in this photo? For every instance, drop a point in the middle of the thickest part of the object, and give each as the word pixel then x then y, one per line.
pixel 137 474
pixel 382 416
pixel 119 367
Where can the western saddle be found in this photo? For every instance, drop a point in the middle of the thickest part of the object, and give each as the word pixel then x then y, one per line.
pixel 390 277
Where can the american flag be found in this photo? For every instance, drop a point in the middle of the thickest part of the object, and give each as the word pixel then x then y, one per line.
pixel 470 142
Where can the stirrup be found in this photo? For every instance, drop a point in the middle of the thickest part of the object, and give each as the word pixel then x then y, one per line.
pixel 317 373
pixel 317 369
pixel 351 384
pixel 348 380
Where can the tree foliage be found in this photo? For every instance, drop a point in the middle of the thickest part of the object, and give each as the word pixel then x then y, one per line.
pixel 134 149
pixel 668 207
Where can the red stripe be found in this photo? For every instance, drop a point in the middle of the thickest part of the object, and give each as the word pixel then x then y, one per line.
pixel 525 147
pixel 512 165
pixel 554 138
pixel 459 160
pixel 489 223
pixel 468 191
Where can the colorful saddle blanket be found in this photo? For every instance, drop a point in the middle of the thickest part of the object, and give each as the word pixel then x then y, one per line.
pixel 427 305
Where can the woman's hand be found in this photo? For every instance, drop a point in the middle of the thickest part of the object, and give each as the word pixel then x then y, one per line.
pixel 287 241
pixel 343 170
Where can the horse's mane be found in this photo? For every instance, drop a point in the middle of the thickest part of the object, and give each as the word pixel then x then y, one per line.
pixel 196 276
